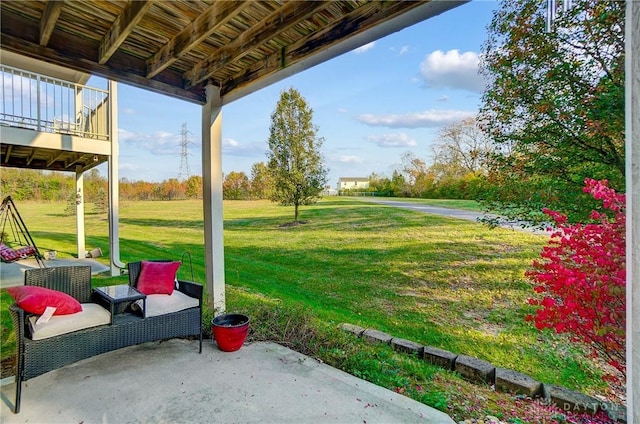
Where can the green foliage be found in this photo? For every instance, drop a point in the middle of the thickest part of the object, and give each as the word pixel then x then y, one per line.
pixel 554 104
pixel 261 181
pixel 72 202
pixel 294 157
pixel 236 186
pixel 101 204
pixel 193 188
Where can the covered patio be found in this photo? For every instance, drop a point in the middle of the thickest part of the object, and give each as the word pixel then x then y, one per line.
pixel 213 52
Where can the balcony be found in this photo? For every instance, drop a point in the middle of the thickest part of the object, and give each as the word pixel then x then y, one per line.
pixel 50 123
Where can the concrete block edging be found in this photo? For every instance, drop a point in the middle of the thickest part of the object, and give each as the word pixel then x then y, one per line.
pixel 479 371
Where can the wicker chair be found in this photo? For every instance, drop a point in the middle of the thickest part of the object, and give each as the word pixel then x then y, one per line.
pixel 36 357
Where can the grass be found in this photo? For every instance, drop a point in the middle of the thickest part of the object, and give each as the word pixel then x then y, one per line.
pixel 442 282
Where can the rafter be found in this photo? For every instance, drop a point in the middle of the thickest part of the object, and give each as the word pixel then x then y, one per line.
pixel 278 22
pixel 54 158
pixel 72 162
pixel 356 22
pixel 121 28
pixel 7 155
pixel 48 20
pixel 206 24
pixel 124 67
pixel 31 156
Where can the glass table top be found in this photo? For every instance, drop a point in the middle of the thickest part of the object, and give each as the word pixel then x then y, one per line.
pixel 121 291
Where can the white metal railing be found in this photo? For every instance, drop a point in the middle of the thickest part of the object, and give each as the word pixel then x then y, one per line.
pixel 45 104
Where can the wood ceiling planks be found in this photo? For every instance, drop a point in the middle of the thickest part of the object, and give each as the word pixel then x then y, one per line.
pixel 177 47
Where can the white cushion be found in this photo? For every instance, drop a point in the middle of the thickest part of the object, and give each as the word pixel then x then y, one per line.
pixel 160 304
pixel 91 315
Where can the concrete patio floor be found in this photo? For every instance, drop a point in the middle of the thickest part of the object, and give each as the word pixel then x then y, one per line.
pixel 169 382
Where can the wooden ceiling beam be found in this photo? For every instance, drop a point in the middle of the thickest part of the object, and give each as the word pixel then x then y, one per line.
pixel 31 156
pixel 72 162
pixel 121 28
pixel 54 158
pixel 48 21
pixel 276 23
pixel 64 50
pixel 7 155
pixel 359 20
pixel 206 24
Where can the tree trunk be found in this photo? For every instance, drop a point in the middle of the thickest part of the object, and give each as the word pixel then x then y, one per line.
pixel 295 219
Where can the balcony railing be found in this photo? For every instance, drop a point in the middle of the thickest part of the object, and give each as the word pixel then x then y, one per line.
pixel 46 104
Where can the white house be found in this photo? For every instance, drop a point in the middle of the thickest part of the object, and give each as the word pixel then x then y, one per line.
pixel 353 183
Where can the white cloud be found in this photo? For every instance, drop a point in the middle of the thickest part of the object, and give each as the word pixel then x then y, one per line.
pixel 403 50
pixel 157 143
pixel 342 110
pixel 128 111
pixel 428 118
pixel 444 98
pixel 234 147
pixel 453 70
pixel 230 143
pixel 364 48
pixel 349 159
pixel 392 140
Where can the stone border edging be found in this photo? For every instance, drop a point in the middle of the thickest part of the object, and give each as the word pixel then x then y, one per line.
pixel 479 371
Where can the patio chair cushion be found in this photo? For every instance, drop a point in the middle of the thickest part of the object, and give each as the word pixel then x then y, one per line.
pixel 157 277
pixel 35 299
pixel 160 304
pixel 91 315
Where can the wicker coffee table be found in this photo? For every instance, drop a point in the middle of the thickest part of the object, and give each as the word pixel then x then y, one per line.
pixel 122 293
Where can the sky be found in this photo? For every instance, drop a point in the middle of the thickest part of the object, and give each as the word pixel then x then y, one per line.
pixel 371 105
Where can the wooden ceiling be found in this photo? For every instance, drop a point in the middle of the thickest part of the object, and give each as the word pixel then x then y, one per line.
pixel 177 47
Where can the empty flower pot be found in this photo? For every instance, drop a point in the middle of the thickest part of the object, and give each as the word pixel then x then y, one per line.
pixel 230 331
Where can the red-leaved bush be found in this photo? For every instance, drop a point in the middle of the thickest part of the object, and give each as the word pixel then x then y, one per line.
pixel 581 278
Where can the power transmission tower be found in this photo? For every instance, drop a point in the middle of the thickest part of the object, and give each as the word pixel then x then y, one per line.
pixel 185 171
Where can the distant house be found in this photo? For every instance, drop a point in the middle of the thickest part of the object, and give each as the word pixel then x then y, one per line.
pixel 353 183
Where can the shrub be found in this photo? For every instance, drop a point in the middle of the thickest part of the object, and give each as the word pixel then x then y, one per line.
pixel 581 278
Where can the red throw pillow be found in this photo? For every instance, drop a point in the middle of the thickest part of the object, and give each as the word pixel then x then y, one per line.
pixel 34 299
pixel 157 277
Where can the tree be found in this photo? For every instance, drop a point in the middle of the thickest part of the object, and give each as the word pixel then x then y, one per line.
pixel 236 186
pixel 170 189
pixel 554 104
pixel 294 159
pixel 462 148
pixel 194 186
pixel 419 178
pixel 261 181
pixel 398 185
pixel 101 201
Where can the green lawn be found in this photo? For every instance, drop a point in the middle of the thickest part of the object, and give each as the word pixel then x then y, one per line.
pixel 442 282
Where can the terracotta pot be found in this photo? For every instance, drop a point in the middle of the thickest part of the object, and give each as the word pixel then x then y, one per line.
pixel 230 331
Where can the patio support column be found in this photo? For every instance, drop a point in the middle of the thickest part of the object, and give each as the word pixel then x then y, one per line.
pixel 212 198
pixel 114 186
pixel 632 146
pixel 80 237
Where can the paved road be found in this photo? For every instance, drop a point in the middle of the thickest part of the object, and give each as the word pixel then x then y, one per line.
pixel 452 213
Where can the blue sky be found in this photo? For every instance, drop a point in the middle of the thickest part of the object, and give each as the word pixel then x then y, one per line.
pixel 371 105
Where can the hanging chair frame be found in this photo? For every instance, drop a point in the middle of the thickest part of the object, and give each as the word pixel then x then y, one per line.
pixel 9 215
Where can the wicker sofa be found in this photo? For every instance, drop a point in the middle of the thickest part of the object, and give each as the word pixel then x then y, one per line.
pixel 36 357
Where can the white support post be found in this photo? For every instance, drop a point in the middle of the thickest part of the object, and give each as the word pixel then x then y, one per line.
pixel 80 237
pixel 632 146
pixel 114 197
pixel 212 198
